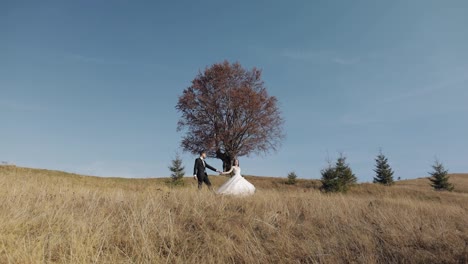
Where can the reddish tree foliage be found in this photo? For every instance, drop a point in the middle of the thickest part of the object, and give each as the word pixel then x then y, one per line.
pixel 228 113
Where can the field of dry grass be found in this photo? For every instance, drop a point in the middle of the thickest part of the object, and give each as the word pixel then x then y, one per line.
pixel 54 217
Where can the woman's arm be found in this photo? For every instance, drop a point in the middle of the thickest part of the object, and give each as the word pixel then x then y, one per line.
pixel 228 172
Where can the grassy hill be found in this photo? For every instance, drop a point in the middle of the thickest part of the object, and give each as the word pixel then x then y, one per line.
pixel 56 217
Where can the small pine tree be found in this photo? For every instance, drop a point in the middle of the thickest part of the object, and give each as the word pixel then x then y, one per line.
pixel 329 180
pixel 344 173
pixel 384 174
pixel 439 178
pixel 292 178
pixel 338 178
pixel 177 171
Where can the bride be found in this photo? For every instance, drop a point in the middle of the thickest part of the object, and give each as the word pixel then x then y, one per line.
pixel 237 185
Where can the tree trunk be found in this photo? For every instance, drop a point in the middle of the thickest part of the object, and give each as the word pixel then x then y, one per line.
pixel 226 158
pixel 227 164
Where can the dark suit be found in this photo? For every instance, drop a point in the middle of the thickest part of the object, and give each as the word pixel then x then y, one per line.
pixel 200 170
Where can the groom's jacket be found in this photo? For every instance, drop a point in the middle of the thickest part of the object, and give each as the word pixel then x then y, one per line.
pixel 200 168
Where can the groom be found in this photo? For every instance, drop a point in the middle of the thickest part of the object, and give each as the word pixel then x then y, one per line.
pixel 199 171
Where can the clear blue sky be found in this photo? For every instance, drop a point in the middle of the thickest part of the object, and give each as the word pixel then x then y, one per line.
pixel 90 86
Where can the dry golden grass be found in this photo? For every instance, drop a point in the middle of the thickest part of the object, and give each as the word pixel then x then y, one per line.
pixel 48 216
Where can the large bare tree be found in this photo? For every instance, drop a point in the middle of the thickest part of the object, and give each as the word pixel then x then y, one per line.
pixel 228 113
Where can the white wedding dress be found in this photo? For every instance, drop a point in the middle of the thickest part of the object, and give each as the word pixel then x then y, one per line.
pixel 237 185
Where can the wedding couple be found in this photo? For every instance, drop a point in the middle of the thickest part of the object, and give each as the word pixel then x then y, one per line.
pixel 237 185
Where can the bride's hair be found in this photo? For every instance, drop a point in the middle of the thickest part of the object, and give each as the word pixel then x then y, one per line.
pixel 238 163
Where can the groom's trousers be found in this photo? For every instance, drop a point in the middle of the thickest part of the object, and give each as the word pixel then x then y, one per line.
pixel 203 179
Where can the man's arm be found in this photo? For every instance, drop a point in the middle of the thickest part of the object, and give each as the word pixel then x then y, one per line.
pixel 195 168
pixel 211 168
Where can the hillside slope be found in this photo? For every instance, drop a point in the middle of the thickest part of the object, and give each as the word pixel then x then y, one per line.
pixel 50 216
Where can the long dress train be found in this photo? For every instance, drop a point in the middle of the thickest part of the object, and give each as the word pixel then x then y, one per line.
pixel 237 185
